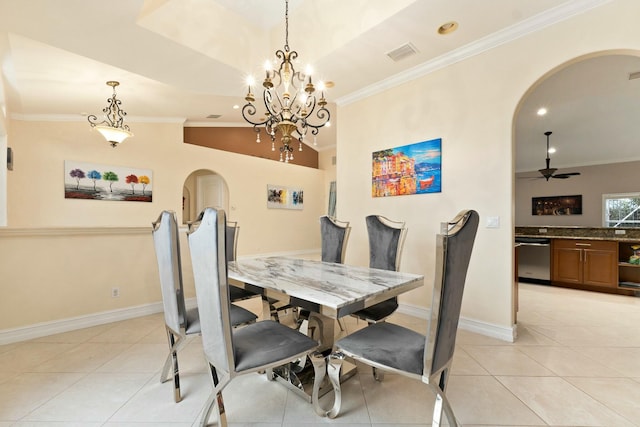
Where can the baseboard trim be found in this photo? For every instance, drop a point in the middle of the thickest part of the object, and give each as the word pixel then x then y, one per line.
pixel 38 330
pixel 471 325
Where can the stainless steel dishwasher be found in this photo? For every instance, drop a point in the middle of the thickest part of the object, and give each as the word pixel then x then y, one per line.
pixel 534 259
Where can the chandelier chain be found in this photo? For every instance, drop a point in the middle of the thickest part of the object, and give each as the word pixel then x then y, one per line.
pixel 286 26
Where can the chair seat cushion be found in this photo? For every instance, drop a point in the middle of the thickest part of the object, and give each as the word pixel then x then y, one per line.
pixel 240 315
pixel 387 344
pixel 378 311
pixel 266 342
pixel 237 294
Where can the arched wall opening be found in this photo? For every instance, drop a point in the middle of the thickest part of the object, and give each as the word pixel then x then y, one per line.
pixel 203 188
pixel 592 103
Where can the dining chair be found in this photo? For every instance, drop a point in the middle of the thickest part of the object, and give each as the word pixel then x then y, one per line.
pixel 400 350
pixel 334 236
pixel 232 231
pixel 386 239
pixel 233 352
pixel 179 321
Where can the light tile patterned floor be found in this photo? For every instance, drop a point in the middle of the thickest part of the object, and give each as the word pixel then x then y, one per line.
pixel 576 363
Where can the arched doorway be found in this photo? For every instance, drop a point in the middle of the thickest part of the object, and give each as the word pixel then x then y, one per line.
pixel 203 188
pixel 592 103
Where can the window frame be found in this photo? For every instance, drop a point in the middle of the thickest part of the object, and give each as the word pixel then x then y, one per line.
pixel 613 196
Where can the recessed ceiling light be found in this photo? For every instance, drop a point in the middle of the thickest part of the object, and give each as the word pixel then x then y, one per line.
pixel 542 111
pixel 235 107
pixel 448 27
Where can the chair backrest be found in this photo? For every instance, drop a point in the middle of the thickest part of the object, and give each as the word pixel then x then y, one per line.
pixel 207 238
pixel 232 240
pixel 167 246
pixel 334 235
pixel 453 252
pixel 386 238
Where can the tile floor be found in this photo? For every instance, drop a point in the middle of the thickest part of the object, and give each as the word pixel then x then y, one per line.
pixel 575 363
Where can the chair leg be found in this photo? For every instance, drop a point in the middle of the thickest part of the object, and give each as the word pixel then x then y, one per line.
pixel 378 374
pixel 172 361
pixel 442 403
pixel 333 369
pixel 215 400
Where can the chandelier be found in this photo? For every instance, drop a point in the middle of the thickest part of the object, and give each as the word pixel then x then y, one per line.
pixel 112 127
pixel 289 97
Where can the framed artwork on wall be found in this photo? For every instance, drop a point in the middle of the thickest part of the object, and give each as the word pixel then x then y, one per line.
pixel 103 182
pixel 557 205
pixel 280 197
pixel 410 169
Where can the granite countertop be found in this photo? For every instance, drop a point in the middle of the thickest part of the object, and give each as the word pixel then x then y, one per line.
pixel 590 233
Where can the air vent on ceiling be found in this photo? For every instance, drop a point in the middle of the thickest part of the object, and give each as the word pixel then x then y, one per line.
pixel 633 76
pixel 214 116
pixel 402 52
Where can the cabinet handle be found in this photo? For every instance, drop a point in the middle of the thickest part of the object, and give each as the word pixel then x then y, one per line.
pixel 583 244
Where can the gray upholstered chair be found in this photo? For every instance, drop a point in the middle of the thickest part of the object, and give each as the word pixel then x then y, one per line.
pixel 386 239
pixel 179 321
pixel 233 352
pixel 334 236
pixel 403 351
pixel 232 231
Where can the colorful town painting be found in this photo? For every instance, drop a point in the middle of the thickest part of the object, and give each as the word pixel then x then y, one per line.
pixel 410 169
pixel 101 182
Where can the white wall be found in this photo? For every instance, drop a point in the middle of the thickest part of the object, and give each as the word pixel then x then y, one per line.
pixel 59 258
pixel 470 105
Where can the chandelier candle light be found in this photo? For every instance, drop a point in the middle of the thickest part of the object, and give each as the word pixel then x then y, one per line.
pixel 290 101
pixel 112 128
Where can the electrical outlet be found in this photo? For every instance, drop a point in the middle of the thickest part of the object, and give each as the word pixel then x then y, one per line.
pixel 542 230
pixel 621 232
pixel 115 292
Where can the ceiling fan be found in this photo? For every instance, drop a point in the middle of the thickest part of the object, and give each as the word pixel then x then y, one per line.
pixel 549 172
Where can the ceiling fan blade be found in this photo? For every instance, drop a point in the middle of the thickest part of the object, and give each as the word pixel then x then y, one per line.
pixel 565 175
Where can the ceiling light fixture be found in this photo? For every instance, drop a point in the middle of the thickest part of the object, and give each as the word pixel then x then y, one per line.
pixel 290 101
pixel 542 111
pixel 112 128
pixel 448 27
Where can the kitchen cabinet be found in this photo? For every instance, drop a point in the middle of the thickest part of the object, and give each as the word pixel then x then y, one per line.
pixel 628 273
pixel 585 262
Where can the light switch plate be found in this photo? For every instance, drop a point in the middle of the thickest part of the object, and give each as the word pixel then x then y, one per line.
pixel 493 222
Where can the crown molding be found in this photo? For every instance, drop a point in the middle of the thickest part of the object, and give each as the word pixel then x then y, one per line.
pixel 514 32
pixel 82 118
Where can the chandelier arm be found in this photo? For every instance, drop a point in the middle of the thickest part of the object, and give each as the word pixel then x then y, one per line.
pixel 250 110
pixel 323 115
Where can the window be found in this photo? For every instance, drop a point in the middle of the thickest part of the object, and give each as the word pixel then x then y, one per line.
pixel 621 210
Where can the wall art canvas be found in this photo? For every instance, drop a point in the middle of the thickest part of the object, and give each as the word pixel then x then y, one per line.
pixel 103 182
pixel 557 205
pixel 410 169
pixel 280 197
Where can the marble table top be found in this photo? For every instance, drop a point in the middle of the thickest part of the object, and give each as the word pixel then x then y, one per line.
pixel 334 290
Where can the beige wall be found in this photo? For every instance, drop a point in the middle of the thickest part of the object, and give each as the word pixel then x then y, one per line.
pixel 62 257
pixel 471 106
pixel 593 182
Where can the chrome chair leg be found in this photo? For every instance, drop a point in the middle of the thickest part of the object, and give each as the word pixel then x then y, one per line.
pixel 378 374
pixel 333 369
pixel 172 361
pixel 215 400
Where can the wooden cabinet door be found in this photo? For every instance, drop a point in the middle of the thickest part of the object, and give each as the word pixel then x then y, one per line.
pixel 600 267
pixel 567 265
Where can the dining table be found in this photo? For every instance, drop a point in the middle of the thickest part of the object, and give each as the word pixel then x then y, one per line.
pixel 327 291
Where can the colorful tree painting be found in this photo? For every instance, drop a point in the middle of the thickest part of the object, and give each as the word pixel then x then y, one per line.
pixel 144 180
pixel 132 180
pixel 107 182
pixel 94 175
pixel 78 174
pixel 111 177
